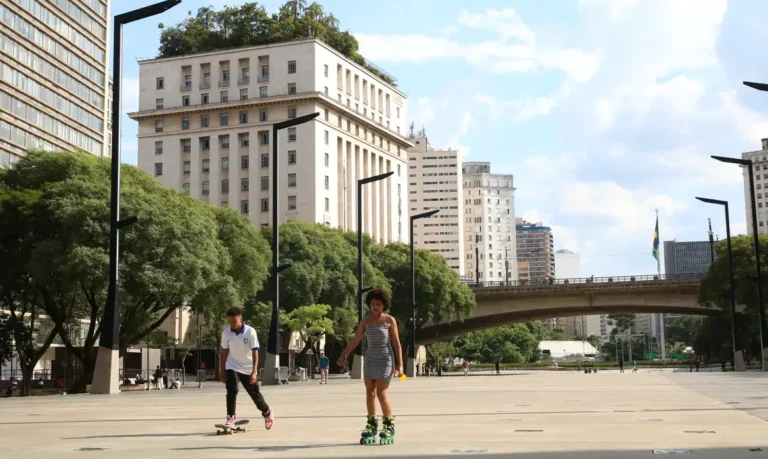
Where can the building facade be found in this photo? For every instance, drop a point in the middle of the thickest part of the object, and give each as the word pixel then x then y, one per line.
pixel 536 246
pixel 489 224
pixel 693 257
pixel 434 182
pixel 759 160
pixel 53 77
pixel 205 127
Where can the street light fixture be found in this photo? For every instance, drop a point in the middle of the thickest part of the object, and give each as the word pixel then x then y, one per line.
pixel 273 352
pixel 106 373
pixel 410 370
pixel 756 241
pixel 357 363
pixel 738 357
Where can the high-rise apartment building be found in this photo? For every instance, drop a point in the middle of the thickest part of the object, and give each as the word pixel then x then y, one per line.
pixel 434 182
pixel 536 246
pixel 53 77
pixel 759 160
pixel 693 257
pixel 489 224
pixel 205 126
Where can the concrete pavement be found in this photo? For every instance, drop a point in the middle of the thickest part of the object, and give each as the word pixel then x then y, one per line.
pixel 541 415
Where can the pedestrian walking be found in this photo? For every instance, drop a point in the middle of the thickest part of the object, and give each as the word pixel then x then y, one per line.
pixel 621 366
pixel 323 368
pixel 381 362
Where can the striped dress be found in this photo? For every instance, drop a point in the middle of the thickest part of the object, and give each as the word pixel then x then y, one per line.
pixel 379 357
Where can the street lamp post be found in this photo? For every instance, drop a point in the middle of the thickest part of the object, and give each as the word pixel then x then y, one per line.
pixel 410 370
pixel 756 242
pixel 506 265
pixel 357 363
pixel 272 365
pixel 738 356
pixel 477 259
pixel 106 373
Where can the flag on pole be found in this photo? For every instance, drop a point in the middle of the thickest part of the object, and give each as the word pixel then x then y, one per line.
pixel 656 245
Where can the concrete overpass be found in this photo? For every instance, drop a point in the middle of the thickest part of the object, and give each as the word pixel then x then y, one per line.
pixel 501 303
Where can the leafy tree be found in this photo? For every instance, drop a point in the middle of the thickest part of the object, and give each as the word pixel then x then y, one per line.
pixel 683 330
pixel 181 253
pixel 249 24
pixel 6 339
pixel 623 322
pixel 595 341
pixel 508 344
pixel 557 334
pixel 311 322
pixel 438 351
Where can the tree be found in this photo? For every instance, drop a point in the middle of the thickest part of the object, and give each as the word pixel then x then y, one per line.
pixel 438 351
pixel 249 24
pixel 311 322
pixel 6 339
pixel 508 344
pixel 595 341
pixel 181 253
pixel 623 322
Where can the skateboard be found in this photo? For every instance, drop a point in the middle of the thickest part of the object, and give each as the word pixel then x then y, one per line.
pixel 239 427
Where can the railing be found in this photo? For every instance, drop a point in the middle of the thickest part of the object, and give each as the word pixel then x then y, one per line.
pixel 205 85
pixel 263 78
pixel 224 83
pixel 186 87
pixel 244 80
pixel 586 280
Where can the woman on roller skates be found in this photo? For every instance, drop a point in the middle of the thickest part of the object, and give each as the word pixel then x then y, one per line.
pixel 381 335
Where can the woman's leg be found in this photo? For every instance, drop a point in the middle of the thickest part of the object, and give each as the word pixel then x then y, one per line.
pixel 382 388
pixel 370 396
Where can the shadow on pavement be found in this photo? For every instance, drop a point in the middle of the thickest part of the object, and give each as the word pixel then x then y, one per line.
pixel 263 449
pixel 143 435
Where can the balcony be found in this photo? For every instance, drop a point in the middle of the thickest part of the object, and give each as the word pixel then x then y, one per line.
pixel 244 80
pixel 186 87
pixel 205 85
pixel 263 78
pixel 224 83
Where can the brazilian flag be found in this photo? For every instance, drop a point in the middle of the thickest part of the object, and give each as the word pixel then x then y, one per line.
pixel 656 245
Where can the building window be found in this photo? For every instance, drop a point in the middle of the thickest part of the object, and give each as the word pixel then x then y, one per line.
pixel 243 117
pixel 185 123
pixel 159 126
pixel 339 121
pixel 327 182
pixel 244 139
pixel 225 77
pixel 160 83
pixel 326 90
pixel 291 88
pixel 292 134
pixel 244 207
pixel 264 136
pixel 185 187
pixel 244 94
pixel 291 66
pixel 186 145
pixel 206 166
pixel 224 203
pixel 244 185
pixel 291 156
pixel 349 128
pixel 224 119
pixel 225 186
pixel 327 204
pixel 187 82
pixel 244 162
pixel 224 141
pixel 264 73
pixel 185 101
pixel 327 138
pixel 291 112
pixel 159 147
pixel 325 70
pixel 159 104
pixel 224 96
pixel 225 164
pixel 398 170
pixel 265 183
pixel 205 143
pixel 265 205
pixel 291 202
pixel 263 114
pixel 187 167
pixel 204 99
pixel 158 169
pixel 291 180
pixel 206 188
pixel 263 92
pixel 204 121
pixel 264 160
pixel 326 114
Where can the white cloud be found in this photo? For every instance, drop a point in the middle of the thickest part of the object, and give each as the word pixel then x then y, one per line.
pixel 751 125
pixel 130 91
pixel 523 109
pixel 424 112
pixel 615 7
pixel 506 23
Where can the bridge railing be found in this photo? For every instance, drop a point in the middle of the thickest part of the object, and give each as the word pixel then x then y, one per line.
pixel 587 280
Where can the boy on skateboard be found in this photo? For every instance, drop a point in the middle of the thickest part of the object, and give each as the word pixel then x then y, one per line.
pixel 239 357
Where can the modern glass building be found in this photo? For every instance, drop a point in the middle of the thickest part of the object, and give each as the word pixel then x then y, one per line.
pixel 687 257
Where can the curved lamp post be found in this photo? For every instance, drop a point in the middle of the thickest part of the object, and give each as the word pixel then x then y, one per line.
pixel 410 370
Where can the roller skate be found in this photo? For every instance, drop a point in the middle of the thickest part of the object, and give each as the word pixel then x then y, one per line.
pixel 369 433
pixel 388 432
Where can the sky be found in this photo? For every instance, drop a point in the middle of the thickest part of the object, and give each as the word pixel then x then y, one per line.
pixel 603 110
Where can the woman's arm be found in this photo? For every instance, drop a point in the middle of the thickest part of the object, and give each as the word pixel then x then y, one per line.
pixel 352 344
pixel 396 342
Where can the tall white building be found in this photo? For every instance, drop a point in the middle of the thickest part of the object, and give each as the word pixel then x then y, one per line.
pixel 205 126
pixel 434 182
pixel 53 77
pixel 489 224
pixel 760 193
pixel 567 264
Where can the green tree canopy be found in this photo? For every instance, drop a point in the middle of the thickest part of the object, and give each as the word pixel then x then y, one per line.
pixel 311 322
pixel 250 24
pixel 508 344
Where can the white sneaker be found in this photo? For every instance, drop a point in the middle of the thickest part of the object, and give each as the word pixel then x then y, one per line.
pixel 269 421
pixel 230 421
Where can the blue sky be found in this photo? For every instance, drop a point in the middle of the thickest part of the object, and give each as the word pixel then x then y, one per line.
pixel 604 110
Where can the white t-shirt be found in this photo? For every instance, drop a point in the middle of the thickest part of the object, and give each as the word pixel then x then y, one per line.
pixel 240 346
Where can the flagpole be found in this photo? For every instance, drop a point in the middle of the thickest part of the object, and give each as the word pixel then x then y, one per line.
pixel 658 269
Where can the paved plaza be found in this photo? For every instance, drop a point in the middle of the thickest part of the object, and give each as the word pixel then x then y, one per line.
pixel 535 414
